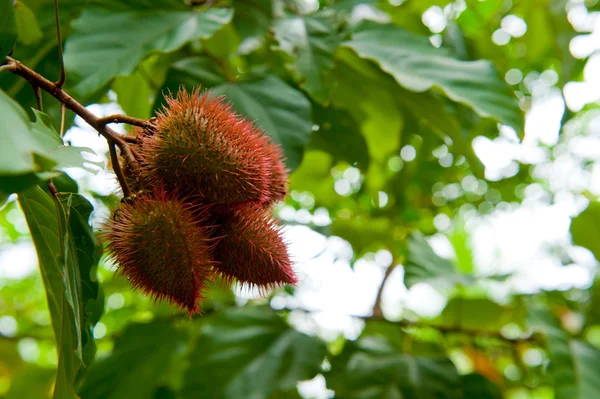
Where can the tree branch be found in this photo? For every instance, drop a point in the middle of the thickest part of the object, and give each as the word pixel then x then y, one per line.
pixel 118 118
pixel 69 102
pixel 377 306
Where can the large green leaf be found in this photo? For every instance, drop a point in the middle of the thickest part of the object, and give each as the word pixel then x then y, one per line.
pixel 339 134
pixel 311 42
pixel 374 369
pixel 418 66
pixel 67 255
pixel 369 95
pixel 424 265
pixel 8 27
pixel 282 111
pixel 585 229
pixel 250 353
pixel 575 365
pixel 138 364
pixel 253 18
pixel 105 44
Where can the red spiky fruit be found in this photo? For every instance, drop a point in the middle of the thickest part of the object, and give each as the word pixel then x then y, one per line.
pixel 251 250
pixel 160 245
pixel 203 149
pixel 279 174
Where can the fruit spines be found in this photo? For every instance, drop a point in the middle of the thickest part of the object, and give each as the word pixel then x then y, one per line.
pixel 202 148
pixel 251 250
pixel 161 246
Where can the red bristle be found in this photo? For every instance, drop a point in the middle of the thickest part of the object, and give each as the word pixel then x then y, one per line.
pixel 279 175
pixel 203 149
pixel 251 250
pixel 163 249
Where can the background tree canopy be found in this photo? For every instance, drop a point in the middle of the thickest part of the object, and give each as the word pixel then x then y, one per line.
pixel 440 151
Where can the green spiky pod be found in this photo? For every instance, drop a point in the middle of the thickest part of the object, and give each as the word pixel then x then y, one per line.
pixel 251 250
pixel 161 245
pixel 203 149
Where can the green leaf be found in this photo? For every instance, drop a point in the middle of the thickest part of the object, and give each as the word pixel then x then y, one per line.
pixel 418 66
pixel 374 369
pixel 134 95
pixel 575 365
pixel 424 265
pixel 253 18
pixel 22 151
pixel 250 353
pixel 67 255
pixel 138 364
pixel 8 27
pixel 365 234
pixel 477 386
pixel 31 151
pixel 585 229
pixel 28 29
pixel 478 314
pixel 339 135
pixel 370 96
pixel 118 41
pixel 311 41
pixel 459 238
pixel 283 112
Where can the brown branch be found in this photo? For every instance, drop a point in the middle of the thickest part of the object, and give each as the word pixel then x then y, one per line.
pixel 377 306
pixel 118 118
pixel 69 102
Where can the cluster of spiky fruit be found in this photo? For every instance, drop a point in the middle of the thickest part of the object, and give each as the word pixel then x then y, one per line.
pixel 207 181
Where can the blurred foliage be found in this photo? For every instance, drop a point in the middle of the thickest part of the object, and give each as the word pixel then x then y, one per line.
pixel 377 104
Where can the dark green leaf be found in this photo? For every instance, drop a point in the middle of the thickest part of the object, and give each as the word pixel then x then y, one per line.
pixel 585 229
pixel 477 386
pixel 282 111
pixel 134 95
pixel 418 66
pixel 118 41
pixel 424 265
pixel 253 18
pixel 67 255
pixel 575 365
pixel 137 366
pixel 311 41
pixel 339 134
pixel 29 31
pixel 8 27
pixel 372 369
pixel 250 353
pixel 479 314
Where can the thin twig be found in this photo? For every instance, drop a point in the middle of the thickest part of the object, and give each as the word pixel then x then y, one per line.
pixel 63 76
pixel 117 167
pixel 38 97
pixel 63 111
pixel 377 306
pixel 118 118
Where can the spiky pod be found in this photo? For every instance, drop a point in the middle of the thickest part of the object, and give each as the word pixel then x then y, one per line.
pixel 202 148
pixel 252 251
pixel 160 245
pixel 279 175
